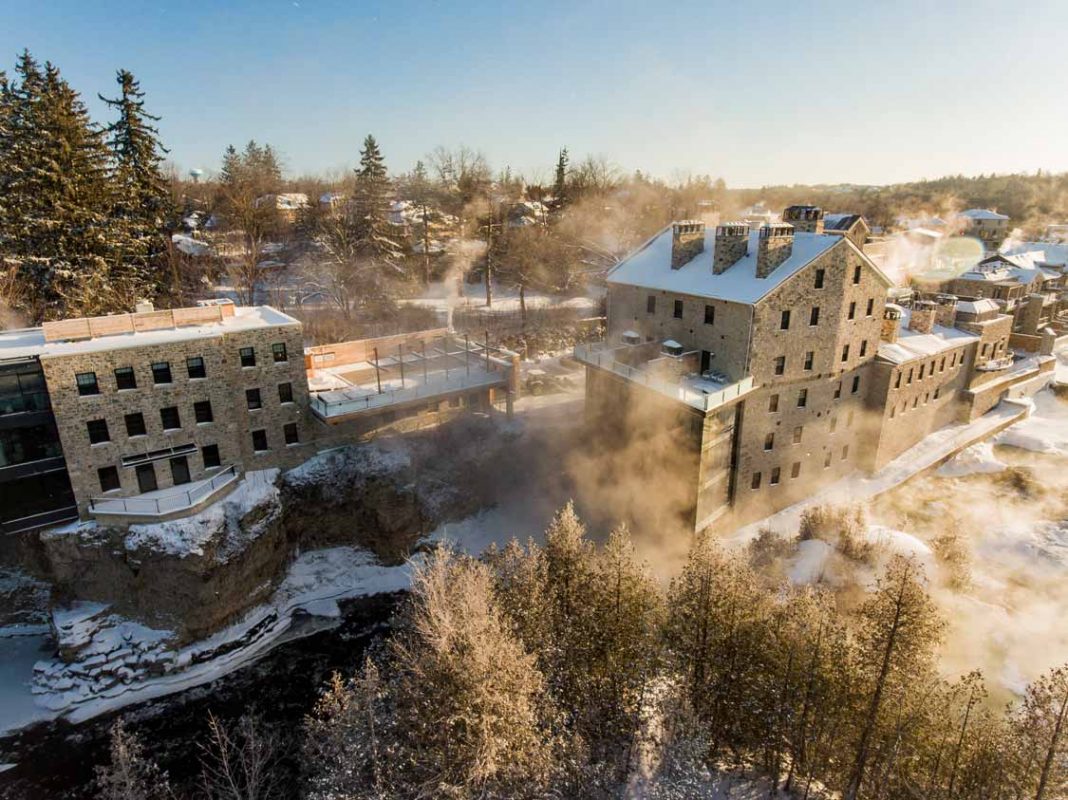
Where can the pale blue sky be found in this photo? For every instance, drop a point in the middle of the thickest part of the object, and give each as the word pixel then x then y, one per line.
pixel 775 92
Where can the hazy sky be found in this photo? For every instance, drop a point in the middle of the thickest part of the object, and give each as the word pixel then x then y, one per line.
pixel 774 92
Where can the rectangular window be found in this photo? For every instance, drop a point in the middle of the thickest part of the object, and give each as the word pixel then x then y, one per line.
pixel 285 393
pixel 827 460
pixel 938 391
pixel 161 372
pixel 856 384
pixel 864 348
pixel 798 431
pixel 856 274
pixel 838 390
pixel 795 470
pixel 802 398
pixel 909 381
pixel 810 356
pixel 915 401
pixel 755 482
pixel 784 320
pixel 773 403
pixel 780 365
pixel 109 479
pixel 819 278
pixel 289 430
pixel 135 424
pixel 710 315
pixel 195 366
pixel 852 310
pixel 202 411
pixel 814 316
pixel 769 441
pixel 170 418
pixel 897 381
pixel 845 452
pixel 942 366
pixel 922 367
pixel 834 424
pixel 845 353
pixel 248 356
pixel 893 411
pixel 98 431
pixel 125 378
pixel 259 440
pixel 278 351
pixel 210 454
pixel 87 383
pixel 871 305
pixel 650 304
pixel 252 398
pixel 774 476
pixel 676 312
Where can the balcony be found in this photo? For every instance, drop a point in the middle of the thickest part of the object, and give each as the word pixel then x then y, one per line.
pixel 701 393
pixel 162 503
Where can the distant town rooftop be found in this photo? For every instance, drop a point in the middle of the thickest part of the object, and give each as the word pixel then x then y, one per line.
pixel 118 331
pixel 650 267
pixel 982 213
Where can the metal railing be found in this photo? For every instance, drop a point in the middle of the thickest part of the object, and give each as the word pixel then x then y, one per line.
pixel 41 520
pixel 379 400
pixel 600 354
pixel 168 503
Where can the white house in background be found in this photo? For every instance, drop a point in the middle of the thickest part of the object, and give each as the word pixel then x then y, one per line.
pixel 288 205
pixel 986 225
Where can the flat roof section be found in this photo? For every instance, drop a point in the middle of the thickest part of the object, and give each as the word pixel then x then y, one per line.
pixel 28 342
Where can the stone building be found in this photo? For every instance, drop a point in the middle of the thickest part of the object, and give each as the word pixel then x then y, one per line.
pixel 773 356
pixel 155 414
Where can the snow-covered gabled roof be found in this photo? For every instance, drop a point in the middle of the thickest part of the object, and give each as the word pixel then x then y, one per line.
pixel 1039 252
pixel 982 213
pixel 650 267
pixel 840 222
pixel 982 306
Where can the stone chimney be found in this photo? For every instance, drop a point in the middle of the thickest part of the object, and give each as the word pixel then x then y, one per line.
pixel 922 318
pixel 891 323
pixel 946 315
pixel 687 240
pixel 775 243
pixel 805 219
pixel 732 244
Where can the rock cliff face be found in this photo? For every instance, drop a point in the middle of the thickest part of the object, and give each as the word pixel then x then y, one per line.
pixel 190 576
pixel 194 575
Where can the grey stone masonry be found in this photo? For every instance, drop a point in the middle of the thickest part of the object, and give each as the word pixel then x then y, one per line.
pixel 775 244
pixel 732 244
pixel 922 318
pixel 687 240
pixel 805 219
pixel 231 401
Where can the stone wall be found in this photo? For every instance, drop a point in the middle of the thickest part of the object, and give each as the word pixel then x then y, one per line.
pixel 224 387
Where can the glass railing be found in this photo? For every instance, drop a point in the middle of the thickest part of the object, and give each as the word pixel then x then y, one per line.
pixel 602 355
pixel 339 406
pixel 21 403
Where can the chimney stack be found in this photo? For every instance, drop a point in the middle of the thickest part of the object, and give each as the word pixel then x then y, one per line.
pixel 922 318
pixel 732 244
pixel 774 246
pixel 687 240
pixel 891 323
pixel 946 315
pixel 805 219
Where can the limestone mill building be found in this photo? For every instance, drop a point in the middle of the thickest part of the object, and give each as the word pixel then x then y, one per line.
pixel 773 360
pixel 154 414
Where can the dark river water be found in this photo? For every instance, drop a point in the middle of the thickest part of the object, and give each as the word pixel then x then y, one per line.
pixel 57 759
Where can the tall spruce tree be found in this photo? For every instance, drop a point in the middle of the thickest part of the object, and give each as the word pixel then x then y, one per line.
pixel 142 207
pixel 55 230
pixel 370 204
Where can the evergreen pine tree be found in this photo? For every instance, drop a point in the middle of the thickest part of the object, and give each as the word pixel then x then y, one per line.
pixel 559 200
pixel 142 205
pixel 370 204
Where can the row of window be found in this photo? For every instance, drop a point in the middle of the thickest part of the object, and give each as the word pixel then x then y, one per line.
pixel 955 358
pixel 126 378
pixel 916 401
pixel 775 476
pixel 802 395
pixel 209 453
pixel 170 418
pixel 810 358
pixel 814 314
pixel 798 433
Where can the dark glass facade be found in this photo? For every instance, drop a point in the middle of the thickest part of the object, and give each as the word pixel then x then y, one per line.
pixel 34 486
